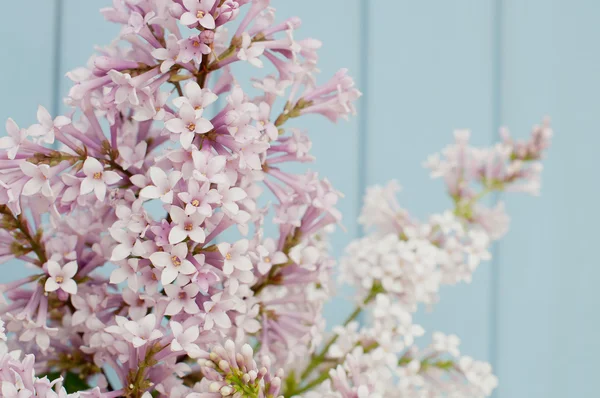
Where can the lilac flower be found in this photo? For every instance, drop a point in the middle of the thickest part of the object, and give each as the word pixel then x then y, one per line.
pixel 168 55
pixel 173 263
pixel 96 178
pixel 230 198
pixel 163 185
pixel 188 124
pixel 269 256
pixel 16 137
pixel 143 331
pixel 184 340
pixel 39 179
pixel 182 298
pixel 251 52
pixel 134 157
pixel 127 271
pixel 44 131
pixel 186 225
pixel 216 312
pixel 264 112
pixel 198 98
pixel 198 12
pixel 195 47
pixel 235 256
pixel 207 168
pixel 61 277
pixel 199 198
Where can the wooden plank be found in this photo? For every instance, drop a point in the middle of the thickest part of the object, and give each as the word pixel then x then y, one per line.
pixel 83 28
pixel 431 71
pixel 548 274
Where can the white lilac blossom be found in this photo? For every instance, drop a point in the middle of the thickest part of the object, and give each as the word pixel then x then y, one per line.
pixel 159 160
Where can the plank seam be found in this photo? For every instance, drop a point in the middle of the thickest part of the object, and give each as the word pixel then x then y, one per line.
pixel 497 100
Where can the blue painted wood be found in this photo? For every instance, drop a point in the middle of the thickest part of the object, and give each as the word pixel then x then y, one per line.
pixel 28 60
pixel 28 71
pixel 431 71
pixel 548 345
pixel 83 28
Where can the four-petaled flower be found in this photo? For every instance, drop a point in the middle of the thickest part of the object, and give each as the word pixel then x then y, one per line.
pixel 39 181
pixel 182 298
pixel 235 256
pixel 16 137
pixel 251 52
pixel 143 330
pixel 186 225
pixel 189 123
pixel 198 98
pixel 168 55
pixel 269 256
pixel 44 131
pixel 183 339
pixel 61 277
pixel 198 12
pixel 96 178
pixel 173 263
pixel 163 185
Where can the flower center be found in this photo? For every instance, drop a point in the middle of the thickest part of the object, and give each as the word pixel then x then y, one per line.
pixel 176 261
pixel 98 175
pixel 188 226
pixel 196 43
pixel 191 127
pixel 228 256
pixel 195 203
pixel 198 108
pixel 267 259
pixel 59 279
pixel 200 14
pixel 182 295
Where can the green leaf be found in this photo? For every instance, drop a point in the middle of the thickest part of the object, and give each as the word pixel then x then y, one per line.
pixel 72 382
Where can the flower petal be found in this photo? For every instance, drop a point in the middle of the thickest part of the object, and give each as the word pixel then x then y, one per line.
pixel 69 286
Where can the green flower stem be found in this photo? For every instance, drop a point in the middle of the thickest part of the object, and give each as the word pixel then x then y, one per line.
pixel 12 222
pixel 320 358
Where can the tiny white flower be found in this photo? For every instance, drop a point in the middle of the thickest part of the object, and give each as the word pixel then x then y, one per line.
pixel 61 277
pixel 96 178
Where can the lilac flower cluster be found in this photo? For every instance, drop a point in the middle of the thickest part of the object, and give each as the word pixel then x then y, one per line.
pixel 402 263
pixel 158 121
pixel 142 215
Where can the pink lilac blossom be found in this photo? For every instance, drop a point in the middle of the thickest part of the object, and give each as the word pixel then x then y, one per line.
pixel 152 127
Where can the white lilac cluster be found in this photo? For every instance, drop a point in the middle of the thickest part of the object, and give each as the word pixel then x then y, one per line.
pixel 402 263
pixel 142 212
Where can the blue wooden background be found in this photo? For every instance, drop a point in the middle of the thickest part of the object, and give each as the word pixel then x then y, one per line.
pixel 427 67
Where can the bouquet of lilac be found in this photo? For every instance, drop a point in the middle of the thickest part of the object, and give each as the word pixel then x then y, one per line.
pixel 159 175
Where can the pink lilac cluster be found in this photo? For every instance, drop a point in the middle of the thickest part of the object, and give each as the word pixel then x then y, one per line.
pixel 160 170
pixel 402 263
pixel 142 213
